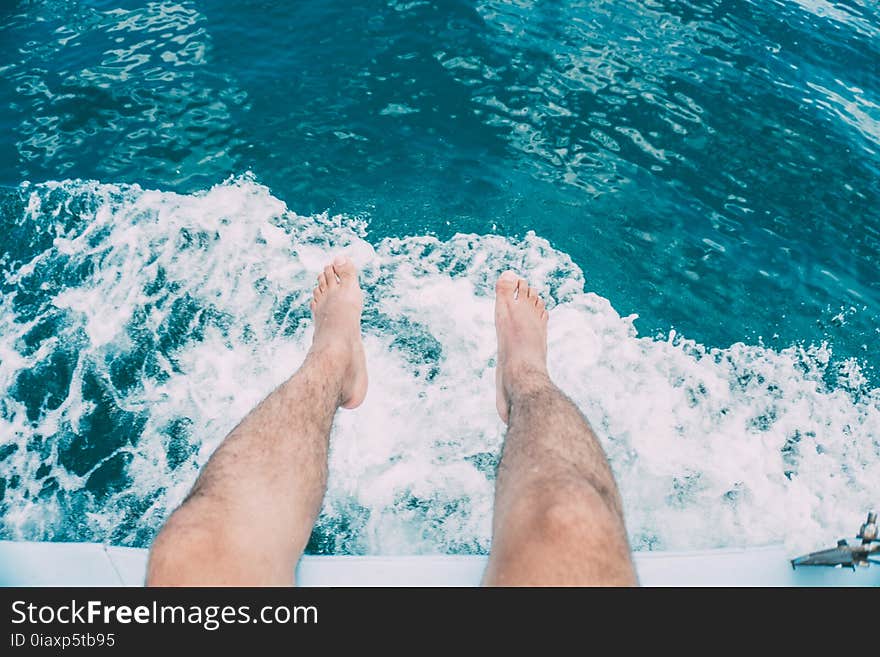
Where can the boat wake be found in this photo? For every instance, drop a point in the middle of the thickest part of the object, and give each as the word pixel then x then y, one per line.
pixel 137 327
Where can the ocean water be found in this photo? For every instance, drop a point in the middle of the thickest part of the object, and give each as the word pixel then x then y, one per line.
pixel 694 186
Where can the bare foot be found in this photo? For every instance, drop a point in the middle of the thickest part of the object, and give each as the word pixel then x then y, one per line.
pixel 336 307
pixel 521 325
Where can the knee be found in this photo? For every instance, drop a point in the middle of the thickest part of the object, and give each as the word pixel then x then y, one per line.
pixel 179 555
pixel 562 537
pixel 577 515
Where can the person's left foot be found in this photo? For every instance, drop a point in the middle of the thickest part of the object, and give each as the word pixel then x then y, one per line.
pixel 336 307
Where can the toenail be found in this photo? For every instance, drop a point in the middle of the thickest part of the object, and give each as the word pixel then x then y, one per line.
pixel 340 260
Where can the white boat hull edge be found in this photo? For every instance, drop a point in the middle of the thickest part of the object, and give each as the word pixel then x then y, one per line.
pixel 93 564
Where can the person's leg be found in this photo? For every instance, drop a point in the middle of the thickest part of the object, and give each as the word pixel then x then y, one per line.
pixel 558 518
pixel 250 514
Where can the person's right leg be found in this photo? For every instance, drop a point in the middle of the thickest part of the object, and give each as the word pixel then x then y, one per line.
pixel 558 517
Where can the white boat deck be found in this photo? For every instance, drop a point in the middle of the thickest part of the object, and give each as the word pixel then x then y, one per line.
pixel 93 564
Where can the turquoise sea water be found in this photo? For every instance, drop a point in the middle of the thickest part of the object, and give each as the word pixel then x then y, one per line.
pixel 694 185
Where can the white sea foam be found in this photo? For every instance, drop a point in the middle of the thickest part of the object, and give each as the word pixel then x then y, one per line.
pixel 711 447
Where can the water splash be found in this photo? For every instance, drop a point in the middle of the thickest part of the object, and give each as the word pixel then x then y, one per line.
pixel 137 327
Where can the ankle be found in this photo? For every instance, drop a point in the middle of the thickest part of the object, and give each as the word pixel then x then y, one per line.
pixel 525 378
pixel 330 361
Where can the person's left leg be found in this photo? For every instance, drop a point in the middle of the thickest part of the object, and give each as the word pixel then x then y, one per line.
pixel 250 514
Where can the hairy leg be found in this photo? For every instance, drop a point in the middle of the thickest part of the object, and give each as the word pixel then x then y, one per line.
pixel 250 514
pixel 558 517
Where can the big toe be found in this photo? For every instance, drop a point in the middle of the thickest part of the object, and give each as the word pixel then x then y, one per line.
pixel 345 269
pixel 506 285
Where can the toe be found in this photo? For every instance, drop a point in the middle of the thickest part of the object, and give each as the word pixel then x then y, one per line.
pixel 539 302
pixel 312 305
pixel 330 275
pixel 322 282
pixel 344 269
pixel 506 285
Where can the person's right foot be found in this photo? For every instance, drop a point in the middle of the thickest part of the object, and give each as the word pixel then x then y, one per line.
pixel 521 325
pixel 336 307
